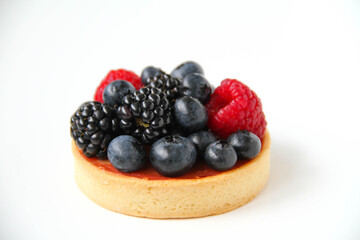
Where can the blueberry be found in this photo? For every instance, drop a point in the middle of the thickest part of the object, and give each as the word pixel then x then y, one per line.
pixel 201 140
pixel 220 156
pixel 126 153
pixel 195 85
pixel 190 114
pixel 150 72
pixel 246 144
pixel 115 91
pixel 185 69
pixel 172 156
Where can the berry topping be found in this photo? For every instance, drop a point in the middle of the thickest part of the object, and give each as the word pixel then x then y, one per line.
pixel 167 84
pixel 150 72
pixel 93 126
pixel 113 75
pixel 172 155
pixel 190 114
pixel 246 144
pixel 162 109
pixel 146 114
pixel 201 140
pixel 235 106
pixel 126 153
pixel 220 156
pixel 115 91
pixel 185 69
pixel 195 85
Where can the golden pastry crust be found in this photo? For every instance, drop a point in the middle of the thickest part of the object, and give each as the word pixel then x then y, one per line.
pixel 174 198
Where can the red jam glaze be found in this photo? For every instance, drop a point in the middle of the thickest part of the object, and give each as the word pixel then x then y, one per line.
pixel 199 170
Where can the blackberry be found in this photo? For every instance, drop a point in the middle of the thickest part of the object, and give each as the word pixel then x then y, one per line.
pixel 146 114
pixel 93 126
pixel 166 83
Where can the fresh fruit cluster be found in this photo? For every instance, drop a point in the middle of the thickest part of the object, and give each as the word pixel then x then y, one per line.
pixel 176 116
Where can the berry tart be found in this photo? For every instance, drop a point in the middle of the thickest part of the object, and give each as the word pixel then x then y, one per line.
pixel 167 146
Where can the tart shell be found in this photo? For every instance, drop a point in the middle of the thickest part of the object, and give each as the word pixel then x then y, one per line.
pixel 173 198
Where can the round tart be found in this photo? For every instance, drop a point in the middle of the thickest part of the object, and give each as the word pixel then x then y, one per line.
pixel 200 192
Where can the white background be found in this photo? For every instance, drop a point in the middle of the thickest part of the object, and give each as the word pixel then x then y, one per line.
pixel 301 57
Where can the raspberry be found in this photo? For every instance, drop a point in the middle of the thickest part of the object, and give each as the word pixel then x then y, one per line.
pixel 113 75
pixel 234 106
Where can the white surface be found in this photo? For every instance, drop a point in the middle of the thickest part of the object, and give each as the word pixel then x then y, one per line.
pixel 302 58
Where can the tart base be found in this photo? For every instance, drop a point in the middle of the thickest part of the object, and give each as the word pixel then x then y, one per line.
pixel 173 198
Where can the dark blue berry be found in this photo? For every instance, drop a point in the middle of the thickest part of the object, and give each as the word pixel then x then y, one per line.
pixel 246 144
pixel 220 156
pixel 190 114
pixel 201 140
pixel 195 85
pixel 115 91
pixel 172 156
pixel 126 153
pixel 150 72
pixel 185 69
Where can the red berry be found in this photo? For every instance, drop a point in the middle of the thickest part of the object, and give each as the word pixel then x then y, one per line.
pixel 234 106
pixel 113 75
